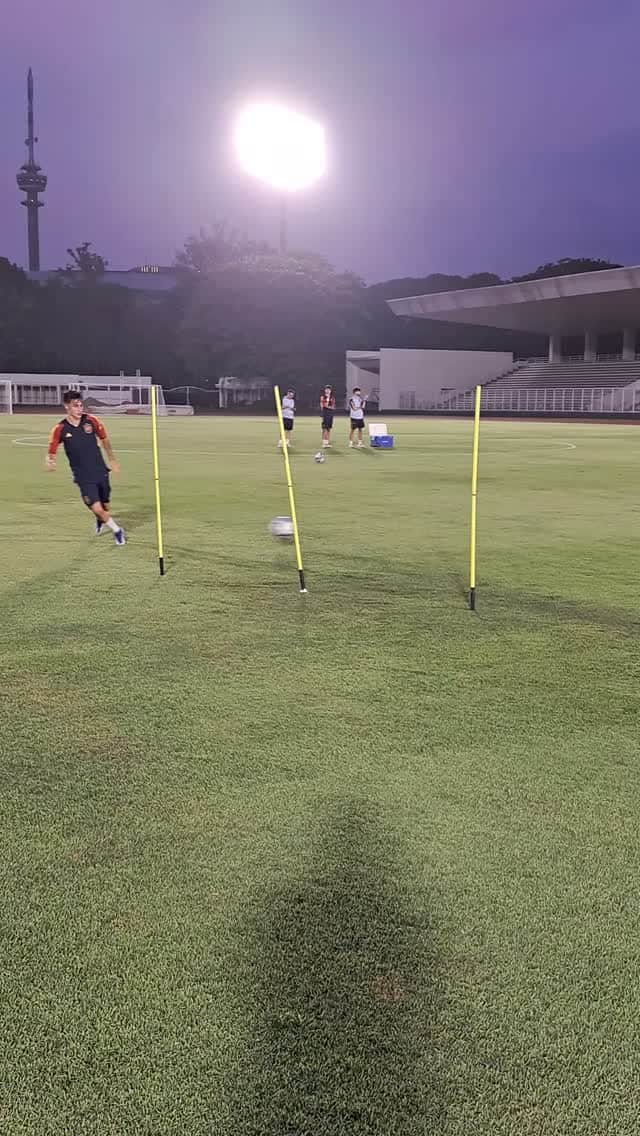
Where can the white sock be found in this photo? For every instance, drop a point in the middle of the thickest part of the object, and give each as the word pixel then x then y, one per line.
pixel 113 525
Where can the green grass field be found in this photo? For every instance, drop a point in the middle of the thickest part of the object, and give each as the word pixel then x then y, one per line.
pixel 358 862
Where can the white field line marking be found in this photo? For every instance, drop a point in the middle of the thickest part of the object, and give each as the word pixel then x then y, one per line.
pixel 174 453
pixel 30 441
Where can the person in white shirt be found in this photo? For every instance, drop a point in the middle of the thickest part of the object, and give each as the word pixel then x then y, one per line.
pixel 288 414
pixel 357 404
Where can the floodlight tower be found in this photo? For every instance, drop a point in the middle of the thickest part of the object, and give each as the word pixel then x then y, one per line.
pixel 32 182
pixel 282 148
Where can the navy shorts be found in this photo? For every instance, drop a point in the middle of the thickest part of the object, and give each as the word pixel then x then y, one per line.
pixel 95 492
pixel 357 423
pixel 327 420
pixel 288 424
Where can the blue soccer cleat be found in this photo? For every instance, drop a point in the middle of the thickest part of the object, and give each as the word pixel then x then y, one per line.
pixel 119 537
pixel 99 527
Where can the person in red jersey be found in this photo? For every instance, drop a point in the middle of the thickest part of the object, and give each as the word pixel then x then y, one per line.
pixel 84 437
pixel 327 406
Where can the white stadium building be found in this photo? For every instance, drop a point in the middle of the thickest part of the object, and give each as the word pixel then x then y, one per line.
pixel 592 365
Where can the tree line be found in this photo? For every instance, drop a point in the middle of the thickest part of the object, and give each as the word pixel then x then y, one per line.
pixel 239 308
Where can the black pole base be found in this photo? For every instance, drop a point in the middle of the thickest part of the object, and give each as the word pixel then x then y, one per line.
pixel 472 599
pixel 161 564
pixel 301 575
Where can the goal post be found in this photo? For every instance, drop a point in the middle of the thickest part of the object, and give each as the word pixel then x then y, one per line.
pixel 6 396
pixel 110 397
pixel 132 399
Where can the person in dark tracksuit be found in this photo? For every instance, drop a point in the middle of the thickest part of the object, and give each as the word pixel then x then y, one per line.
pixel 327 407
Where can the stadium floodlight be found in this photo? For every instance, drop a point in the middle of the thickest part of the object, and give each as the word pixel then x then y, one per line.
pixel 282 148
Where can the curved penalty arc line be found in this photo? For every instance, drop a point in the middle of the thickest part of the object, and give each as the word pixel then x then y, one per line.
pixel 35 444
pixel 31 442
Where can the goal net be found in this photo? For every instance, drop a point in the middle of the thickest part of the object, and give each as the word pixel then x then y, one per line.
pixel 127 399
pixel 102 394
pixel 6 397
pixel 132 400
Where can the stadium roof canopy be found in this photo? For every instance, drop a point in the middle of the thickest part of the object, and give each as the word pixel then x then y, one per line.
pixel 560 305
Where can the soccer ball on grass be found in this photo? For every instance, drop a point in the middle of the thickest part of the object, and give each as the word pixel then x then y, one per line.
pixel 281 528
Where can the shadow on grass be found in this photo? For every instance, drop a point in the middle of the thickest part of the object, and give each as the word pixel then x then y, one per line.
pixel 380 576
pixel 526 606
pixel 38 587
pixel 343 996
pixel 237 573
pixel 138 517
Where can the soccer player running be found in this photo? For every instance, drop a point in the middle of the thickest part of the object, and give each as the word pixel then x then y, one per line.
pixel 327 406
pixel 356 411
pixel 80 434
pixel 288 415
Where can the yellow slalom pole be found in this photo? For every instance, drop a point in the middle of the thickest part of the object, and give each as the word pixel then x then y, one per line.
pixel 292 502
pixel 474 501
pixel 156 477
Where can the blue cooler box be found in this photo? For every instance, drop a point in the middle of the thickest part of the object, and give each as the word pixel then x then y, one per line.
pixel 382 441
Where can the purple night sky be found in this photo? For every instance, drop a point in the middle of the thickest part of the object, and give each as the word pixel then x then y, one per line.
pixel 466 135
